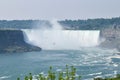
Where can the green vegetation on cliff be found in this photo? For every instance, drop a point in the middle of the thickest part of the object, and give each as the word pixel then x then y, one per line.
pixel 89 24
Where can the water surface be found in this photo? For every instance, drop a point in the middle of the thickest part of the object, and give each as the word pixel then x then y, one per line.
pixel 90 62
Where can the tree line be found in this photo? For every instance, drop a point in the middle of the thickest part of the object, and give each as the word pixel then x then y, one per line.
pixel 89 24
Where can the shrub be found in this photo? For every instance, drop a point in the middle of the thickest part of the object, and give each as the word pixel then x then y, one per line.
pixel 68 74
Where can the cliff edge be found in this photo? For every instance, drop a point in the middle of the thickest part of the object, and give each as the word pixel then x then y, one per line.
pixel 111 37
pixel 13 41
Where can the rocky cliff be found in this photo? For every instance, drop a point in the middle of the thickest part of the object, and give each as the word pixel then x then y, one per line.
pixel 111 38
pixel 13 41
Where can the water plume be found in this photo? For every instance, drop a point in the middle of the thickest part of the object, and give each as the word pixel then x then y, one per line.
pixel 56 38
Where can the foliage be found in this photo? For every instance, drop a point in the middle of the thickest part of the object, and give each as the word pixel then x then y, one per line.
pixel 68 74
pixel 20 24
pixel 89 24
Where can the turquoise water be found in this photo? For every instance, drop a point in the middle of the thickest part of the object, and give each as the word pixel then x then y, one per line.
pixel 90 62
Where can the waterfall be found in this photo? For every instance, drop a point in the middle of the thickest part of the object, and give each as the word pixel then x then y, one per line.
pixel 62 39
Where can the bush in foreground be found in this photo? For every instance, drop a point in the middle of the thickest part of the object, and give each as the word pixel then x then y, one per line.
pixel 68 74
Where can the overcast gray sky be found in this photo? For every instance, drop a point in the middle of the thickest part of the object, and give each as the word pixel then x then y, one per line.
pixel 59 9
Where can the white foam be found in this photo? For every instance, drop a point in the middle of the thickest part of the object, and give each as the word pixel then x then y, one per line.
pixel 62 39
pixel 58 70
pixel 95 73
pixel 4 77
pixel 56 38
pixel 115 65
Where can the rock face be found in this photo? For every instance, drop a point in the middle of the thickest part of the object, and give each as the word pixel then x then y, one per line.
pixel 112 38
pixel 13 41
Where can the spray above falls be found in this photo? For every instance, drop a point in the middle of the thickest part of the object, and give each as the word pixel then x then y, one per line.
pixel 57 38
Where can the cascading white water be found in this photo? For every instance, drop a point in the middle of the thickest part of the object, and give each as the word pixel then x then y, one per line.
pixel 56 38
pixel 62 39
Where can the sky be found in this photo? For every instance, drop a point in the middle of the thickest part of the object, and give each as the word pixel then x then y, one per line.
pixel 58 9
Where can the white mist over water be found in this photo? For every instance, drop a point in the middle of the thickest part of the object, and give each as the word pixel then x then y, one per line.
pixel 56 25
pixel 58 39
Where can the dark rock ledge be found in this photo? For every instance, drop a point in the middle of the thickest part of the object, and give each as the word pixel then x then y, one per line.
pixel 12 41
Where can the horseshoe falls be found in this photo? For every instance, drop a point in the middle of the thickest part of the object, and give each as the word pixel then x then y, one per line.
pixel 62 39
pixel 61 47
